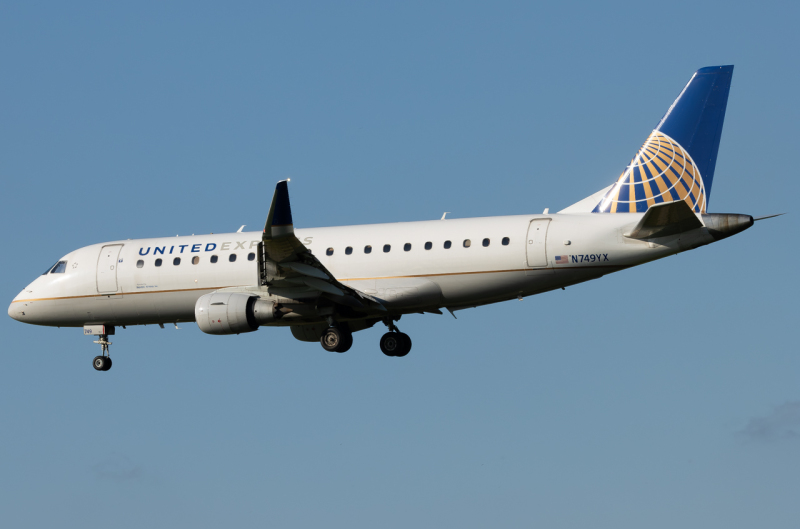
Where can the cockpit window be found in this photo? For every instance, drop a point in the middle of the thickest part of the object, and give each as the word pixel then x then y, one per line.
pixel 59 268
pixel 48 270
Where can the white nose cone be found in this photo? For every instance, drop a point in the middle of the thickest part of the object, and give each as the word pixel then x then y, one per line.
pixel 13 311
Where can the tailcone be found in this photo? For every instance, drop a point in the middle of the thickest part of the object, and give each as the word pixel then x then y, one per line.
pixel 723 225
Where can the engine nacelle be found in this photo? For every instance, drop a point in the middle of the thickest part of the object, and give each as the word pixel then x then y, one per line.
pixel 232 312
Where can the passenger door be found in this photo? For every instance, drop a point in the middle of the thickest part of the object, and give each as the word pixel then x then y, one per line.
pixel 536 243
pixel 107 269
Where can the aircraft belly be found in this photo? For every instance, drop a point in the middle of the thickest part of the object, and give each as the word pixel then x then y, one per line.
pixel 153 307
pixel 409 292
pixel 498 286
pixel 460 289
pixel 175 306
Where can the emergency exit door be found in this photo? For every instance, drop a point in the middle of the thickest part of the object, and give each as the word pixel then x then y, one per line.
pixel 107 269
pixel 536 243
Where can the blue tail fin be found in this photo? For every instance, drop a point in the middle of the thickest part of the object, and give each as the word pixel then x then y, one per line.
pixel 677 161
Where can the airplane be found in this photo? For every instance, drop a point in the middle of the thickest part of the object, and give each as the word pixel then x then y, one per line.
pixel 327 283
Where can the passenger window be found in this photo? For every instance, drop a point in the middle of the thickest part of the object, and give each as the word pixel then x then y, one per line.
pixel 251 256
pixel 407 247
pixel 139 263
pixel 59 268
pixel 214 258
pixel 348 250
pixel 195 259
pixel 506 240
pixel 158 262
pixel 329 251
pixel 428 245
pixel 367 249
pixel 387 248
pixel 447 245
pixel 467 243
pixel 176 261
pixel 486 242
pixel 232 257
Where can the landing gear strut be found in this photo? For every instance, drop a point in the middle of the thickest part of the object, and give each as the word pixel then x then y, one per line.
pixel 103 362
pixel 395 343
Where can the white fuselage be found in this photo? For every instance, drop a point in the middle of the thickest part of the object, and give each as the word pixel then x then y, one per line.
pixel 118 282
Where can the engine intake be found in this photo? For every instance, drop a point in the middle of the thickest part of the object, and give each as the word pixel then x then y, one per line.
pixel 232 313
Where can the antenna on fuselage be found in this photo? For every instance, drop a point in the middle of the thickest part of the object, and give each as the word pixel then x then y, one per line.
pixel 240 229
pixel 445 214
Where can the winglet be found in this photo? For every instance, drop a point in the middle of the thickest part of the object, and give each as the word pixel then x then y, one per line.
pixel 279 220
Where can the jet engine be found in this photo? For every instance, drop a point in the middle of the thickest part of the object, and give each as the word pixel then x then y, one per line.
pixel 233 312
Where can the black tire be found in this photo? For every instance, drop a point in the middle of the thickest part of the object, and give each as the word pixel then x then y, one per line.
pixel 392 343
pixel 347 343
pixel 406 342
pixel 331 339
pixel 99 363
pixel 108 364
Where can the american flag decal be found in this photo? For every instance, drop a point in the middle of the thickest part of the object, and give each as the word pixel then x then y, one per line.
pixel 562 259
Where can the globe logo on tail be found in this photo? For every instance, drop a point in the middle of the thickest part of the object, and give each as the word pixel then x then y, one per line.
pixel 662 171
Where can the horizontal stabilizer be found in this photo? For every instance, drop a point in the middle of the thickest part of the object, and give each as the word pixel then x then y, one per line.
pixel 667 219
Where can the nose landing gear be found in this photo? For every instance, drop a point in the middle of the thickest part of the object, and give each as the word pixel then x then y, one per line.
pixel 103 362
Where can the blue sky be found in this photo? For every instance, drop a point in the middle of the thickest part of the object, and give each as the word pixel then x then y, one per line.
pixel 662 396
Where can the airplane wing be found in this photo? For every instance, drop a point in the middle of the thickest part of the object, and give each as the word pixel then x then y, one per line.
pixel 287 267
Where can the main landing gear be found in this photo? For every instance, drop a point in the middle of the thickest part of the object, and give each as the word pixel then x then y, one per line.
pixel 395 343
pixel 103 362
pixel 338 339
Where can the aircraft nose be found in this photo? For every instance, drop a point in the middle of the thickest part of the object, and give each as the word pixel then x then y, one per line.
pixel 13 311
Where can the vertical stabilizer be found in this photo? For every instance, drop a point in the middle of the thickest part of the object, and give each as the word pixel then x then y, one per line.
pixel 678 159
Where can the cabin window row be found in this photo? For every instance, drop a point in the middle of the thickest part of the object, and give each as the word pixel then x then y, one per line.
pixel 196 260
pixel 428 246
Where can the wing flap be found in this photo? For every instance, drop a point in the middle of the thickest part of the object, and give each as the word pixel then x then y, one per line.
pixel 318 284
pixel 306 270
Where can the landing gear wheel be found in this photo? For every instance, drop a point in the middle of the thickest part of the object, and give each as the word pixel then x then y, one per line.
pixel 108 363
pixel 99 363
pixel 347 343
pixel 406 344
pixel 392 344
pixel 332 339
